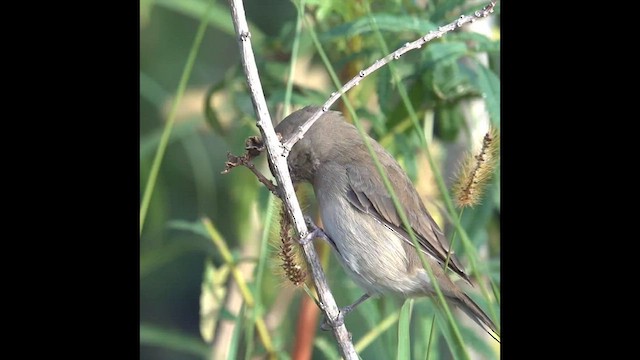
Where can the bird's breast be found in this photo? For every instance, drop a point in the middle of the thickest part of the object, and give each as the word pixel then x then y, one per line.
pixel 371 253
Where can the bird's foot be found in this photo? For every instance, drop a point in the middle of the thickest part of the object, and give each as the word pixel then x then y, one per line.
pixel 315 232
pixel 337 322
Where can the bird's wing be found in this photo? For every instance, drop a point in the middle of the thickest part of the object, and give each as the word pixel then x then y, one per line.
pixel 368 194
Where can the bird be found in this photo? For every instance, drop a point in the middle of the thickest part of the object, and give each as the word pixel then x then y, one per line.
pixel 360 219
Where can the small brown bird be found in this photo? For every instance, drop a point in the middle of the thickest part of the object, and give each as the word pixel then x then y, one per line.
pixel 361 220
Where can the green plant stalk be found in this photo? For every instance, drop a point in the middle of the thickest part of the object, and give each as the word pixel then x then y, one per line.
pixel 433 327
pixel 496 291
pixel 404 331
pixel 370 336
pixel 294 56
pixel 235 336
pixel 249 332
pixel 389 188
pixel 219 242
pixel 453 239
pixel 262 260
pixel 483 289
pixel 469 248
pixel 157 161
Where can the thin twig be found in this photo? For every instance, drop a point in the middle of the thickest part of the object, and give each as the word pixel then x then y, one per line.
pixel 417 44
pixel 245 160
pixel 254 147
pixel 280 170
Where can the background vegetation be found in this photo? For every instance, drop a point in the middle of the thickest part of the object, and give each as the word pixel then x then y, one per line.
pixel 452 85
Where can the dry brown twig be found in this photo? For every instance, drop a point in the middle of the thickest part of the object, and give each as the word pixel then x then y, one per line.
pixel 278 151
pixel 254 147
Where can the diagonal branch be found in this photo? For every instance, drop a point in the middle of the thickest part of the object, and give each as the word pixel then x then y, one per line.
pixel 417 44
pixel 280 170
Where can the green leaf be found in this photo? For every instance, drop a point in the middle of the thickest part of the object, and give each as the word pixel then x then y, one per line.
pixel 157 257
pixel 418 95
pixel 452 80
pixel 452 344
pixel 404 338
pixel 172 339
pixel 219 16
pixel 385 22
pixel 151 90
pixel 489 85
pixel 443 10
pixel 376 118
pixel 476 219
pixel 448 121
pixel 384 88
pixel 474 340
pixel 477 42
pixel 443 51
pixel 209 111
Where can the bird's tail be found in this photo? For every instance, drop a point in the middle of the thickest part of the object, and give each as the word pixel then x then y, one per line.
pixel 467 305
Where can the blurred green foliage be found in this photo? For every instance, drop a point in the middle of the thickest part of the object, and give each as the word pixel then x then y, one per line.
pixel 215 116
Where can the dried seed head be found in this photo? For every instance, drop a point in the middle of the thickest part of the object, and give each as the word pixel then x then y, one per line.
pixel 477 170
pixel 287 252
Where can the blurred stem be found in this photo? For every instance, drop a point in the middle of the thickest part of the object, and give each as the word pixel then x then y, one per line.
pixel 294 56
pixel 306 326
pixel 404 331
pixel 186 74
pixel 221 245
pixel 453 240
pixel 433 327
pixel 496 291
pixel 262 260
